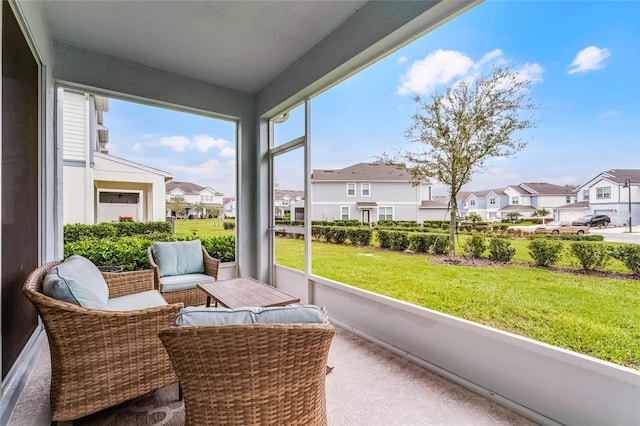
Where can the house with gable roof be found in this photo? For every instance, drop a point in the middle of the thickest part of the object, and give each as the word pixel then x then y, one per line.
pixel 283 201
pixel 615 193
pixel 99 187
pixel 201 201
pixel 524 198
pixel 371 192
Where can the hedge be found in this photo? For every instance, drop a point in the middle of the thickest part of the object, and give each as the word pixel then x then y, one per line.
pixel 79 231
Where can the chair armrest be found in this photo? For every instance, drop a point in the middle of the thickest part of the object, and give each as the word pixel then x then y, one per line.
pixel 124 283
pixel 211 264
pixel 155 268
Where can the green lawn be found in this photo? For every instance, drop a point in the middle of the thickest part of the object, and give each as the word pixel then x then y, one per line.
pixel 203 228
pixel 595 316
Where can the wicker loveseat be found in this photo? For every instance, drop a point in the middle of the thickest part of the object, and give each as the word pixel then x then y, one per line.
pixel 101 358
pixel 251 374
pixel 178 266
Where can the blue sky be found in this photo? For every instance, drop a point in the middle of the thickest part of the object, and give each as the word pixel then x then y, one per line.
pixel 584 59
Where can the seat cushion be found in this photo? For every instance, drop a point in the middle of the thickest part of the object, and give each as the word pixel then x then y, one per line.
pixel 178 257
pixel 77 280
pixel 136 301
pixel 183 282
pixel 199 316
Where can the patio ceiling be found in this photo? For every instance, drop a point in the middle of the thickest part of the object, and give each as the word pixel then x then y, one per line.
pixel 239 45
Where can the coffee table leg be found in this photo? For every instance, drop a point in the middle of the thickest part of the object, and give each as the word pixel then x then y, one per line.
pixel 208 301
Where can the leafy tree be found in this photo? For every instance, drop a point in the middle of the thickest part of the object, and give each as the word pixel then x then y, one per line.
pixel 459 130
pixel 474 217
pixel 540 213
pixel 513 217
pixel 177 205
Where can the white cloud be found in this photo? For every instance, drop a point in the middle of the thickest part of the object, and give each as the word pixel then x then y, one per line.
pixel 588 59
pixel 608 114
pixel 177 143
pixel 213 173
pixel 227 152
pixel 137 147
pixel 403 59
pixel 204 142
pixel 445 67
pixel 439 67
pixel 148 135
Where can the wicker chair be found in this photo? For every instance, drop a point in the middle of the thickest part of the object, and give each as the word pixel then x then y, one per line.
pixel 191 296
pixel 100 359
pixel 252 374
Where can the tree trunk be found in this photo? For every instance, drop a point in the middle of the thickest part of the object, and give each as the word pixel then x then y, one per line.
pixel 452 229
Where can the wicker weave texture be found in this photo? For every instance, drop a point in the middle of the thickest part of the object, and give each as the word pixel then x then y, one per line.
pixel 102 358
pixel 191 296
pixel 257 374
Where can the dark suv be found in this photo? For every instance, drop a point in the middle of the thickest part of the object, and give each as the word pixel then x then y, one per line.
pixel 592 220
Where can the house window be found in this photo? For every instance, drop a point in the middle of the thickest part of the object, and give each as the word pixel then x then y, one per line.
pixel 585 195
pixel 492 201
pixel 385 213
pixel 366 189
pixel 285 201
pixel 603 193
pixel 206 198
pixel 515 200
pixel 177 198
pixel 351 190
pixel 344 213
pixel 568 200
pixel 472 202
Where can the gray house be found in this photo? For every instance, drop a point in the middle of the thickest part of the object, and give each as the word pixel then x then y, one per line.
pixel 615 193
pixel 371 192
pixel 524 198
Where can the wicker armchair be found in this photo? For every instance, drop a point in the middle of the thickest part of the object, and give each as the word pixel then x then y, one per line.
pixel 252 374
pixel 191 296
pixel 102 358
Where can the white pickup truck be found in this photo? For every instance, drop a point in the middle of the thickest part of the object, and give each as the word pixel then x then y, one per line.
pixel 556 227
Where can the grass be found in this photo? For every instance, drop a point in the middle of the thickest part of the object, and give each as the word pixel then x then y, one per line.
pixel 595 316
pixel 203 228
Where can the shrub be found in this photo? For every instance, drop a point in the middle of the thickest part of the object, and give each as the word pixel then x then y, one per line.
pixel 399 241
pixel 360 236
pixel 384 238
pixel 130 253
pixel 591 256
pixel 222 247
pixel 337 234
pixel 629 255
pixel 501 250
pixel 228 225
pixel 78 231
pixel 476 245
pixel 545 252
pixel 429 243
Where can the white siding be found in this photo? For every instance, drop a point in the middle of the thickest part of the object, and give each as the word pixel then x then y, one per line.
pixel 74 127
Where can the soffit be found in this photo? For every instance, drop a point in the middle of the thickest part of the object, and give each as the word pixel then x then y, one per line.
pixel 241 45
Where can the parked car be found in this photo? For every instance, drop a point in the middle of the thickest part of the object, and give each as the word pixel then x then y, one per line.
pixel 495 220
pixel 593 220
pixel 557 227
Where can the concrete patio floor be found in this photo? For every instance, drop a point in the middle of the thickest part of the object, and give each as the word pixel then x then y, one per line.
pixel 368 386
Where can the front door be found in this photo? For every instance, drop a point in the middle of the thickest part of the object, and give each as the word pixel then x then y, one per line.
pixel 366 216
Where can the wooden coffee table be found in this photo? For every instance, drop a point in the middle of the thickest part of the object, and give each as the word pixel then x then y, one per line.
pixel 238 292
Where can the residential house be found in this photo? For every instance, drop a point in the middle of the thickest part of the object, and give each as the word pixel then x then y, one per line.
pixel 196 201
pixel 217 62
pixel 283 199
pixel 524 199
pixel 487 204
pixel 229 207
pixel 98 187
pixel 615 193
pixel 371 192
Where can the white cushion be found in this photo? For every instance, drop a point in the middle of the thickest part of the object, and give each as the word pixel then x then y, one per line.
pixel 137 301
pixel 199 316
